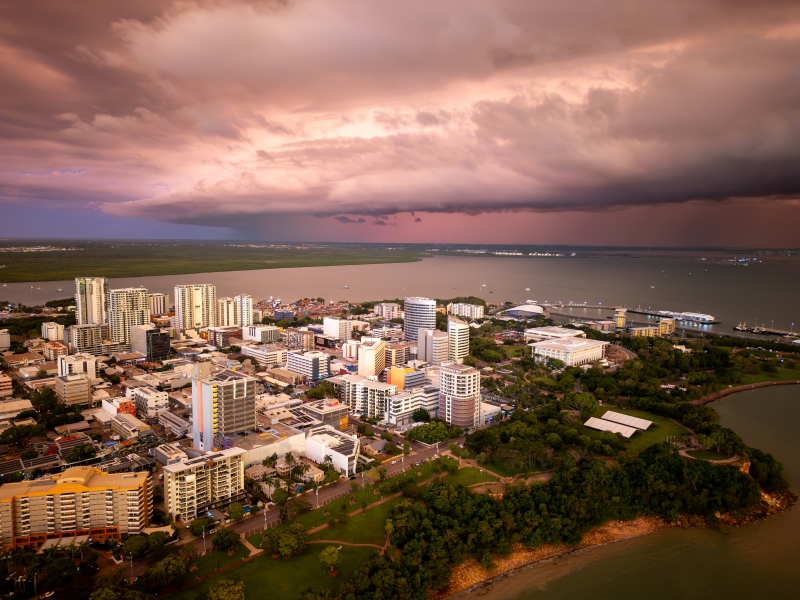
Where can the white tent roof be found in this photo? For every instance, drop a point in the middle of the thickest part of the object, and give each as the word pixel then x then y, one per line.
pixel 602 425
pixel 628 420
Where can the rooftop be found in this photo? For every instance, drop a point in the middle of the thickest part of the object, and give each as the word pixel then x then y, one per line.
pixel 74 479
pixel 569 344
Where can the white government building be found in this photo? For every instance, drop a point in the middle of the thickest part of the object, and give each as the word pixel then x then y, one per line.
pixel 572 351
pixel 541 334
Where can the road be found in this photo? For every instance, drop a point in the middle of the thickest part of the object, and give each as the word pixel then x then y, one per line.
pixel 327 494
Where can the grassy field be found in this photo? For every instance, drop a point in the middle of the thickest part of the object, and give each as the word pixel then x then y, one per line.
pixel 504 471
pixel 365 528
pixel 661 429
pixel 137 259
pixel 512 351
pixel 707 455
pixel 208 563
pixel 278 579
pixel 470 476
pixel 781 375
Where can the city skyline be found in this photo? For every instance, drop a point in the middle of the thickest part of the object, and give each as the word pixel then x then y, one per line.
pixel 490 122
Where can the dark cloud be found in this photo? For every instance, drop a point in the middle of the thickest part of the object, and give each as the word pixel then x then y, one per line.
pixel 219 113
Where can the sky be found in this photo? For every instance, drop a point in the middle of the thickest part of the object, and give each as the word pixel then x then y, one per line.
pixel 590 122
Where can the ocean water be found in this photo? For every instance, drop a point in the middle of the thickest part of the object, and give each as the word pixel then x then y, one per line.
pixel 766 292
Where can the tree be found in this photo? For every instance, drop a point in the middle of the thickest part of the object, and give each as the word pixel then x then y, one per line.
pixel 20 435
pixel 270 541
pixel 330 558
pixel 421 415
pixel 81 452
pixel 200 524
pixel 331 476
pixel 188 552
pixel 583 402
pixel 287 543
pixel 171 568
pixel 236 511
pixel 225 539
pixel 406 448
pixel 135 546
pixel 157 539
pixel 225 589
pixel 301 535
pixel 280 496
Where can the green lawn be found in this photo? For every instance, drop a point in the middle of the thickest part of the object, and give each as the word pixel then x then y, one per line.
pixel 208 563
pixel 278 579
pixel 315 517
pixel 661 429
pixel 504 471
pixel 707 455
pixel 469 476
pixel 365 528
pixel 512 351
pixel 781 375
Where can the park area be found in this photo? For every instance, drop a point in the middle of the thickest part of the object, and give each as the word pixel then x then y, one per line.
pixel 661 430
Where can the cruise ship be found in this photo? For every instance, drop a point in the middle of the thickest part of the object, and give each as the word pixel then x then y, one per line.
pixel 689 316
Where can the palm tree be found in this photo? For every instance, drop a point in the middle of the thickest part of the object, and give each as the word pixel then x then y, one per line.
pixel 289 459
pixel 328 460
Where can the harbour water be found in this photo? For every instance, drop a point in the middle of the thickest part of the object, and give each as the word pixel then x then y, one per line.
pixel 767 292
pixel 758 560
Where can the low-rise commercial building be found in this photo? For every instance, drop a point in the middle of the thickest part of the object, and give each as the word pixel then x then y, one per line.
pixel 52 350
pixel 470 311
pixel 169 454
pixel 81 501
pixel 221 336
pixel 540 334
pixel 262 334
pixel 195 486
pixel 73 389
pixel 299 338
pixel 328 412
pixel 6 386
pixel 645 331
pixel 268 356
pixel 149 402
pixel 572 351
pixel 343 449
pixel 129 427
pixel 313 365
pixel 174 424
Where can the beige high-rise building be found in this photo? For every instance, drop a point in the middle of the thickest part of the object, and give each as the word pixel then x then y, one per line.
pixel 194 486
pixel 158 304
pixel 458 334
pixel 371 357
pixel 127 307
pixel 195 306
pixel 433 346
pixel 226 316
pixel 459 395
pixel 243 310
pixel 78 363
pixel 90 300
pixel 80 501
pixel 53 332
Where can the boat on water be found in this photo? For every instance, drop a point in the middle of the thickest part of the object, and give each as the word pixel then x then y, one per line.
pixel 59 290
pixel 742 326
pixel 690 274
pixel 527 289
pixel 347 287
pixel 652 287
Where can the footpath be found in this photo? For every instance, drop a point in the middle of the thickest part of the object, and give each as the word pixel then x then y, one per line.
pixel 708 398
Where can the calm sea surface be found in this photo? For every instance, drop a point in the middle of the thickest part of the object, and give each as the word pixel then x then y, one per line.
pixel 756 561
pixel 767 292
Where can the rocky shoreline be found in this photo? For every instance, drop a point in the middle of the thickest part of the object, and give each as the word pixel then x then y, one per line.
pixel 471 576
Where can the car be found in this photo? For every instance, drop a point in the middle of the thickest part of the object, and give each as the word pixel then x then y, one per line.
pixel 48 594
pixel 394 462
pixel 212 532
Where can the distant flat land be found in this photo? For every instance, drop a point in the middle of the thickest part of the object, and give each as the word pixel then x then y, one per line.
pixel 140 259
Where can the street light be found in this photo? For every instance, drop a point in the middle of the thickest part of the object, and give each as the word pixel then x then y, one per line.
pixel 204 539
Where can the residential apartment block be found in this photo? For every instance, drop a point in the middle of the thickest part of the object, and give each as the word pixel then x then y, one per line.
pixel 79 501
pixel 223 404
pixel 459 395
pixel 195 306
pixel 213 480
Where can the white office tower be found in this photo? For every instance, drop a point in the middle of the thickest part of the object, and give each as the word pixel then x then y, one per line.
pixel 195 306
pixel 90 300
pixel 243 310
pixel 459 395
pixel 420 313
pixel 222 406
pixel 226 315
pixel 350 349
pixel 458 332
pixel 53 332
pixel 371 357
pixel 433 346
pixel 263 334
pixel 77 363
pixel 127 307
pixel 341 329
pixel 388 310
pixel 158 304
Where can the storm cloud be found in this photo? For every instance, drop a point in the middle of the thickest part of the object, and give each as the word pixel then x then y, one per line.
pixel 224 113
